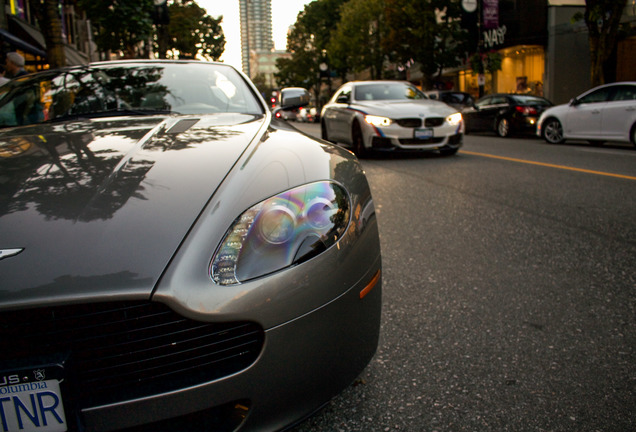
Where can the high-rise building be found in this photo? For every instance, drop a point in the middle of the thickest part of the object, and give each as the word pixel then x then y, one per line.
pixel 256 32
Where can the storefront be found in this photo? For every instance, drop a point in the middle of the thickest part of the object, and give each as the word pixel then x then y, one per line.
pixel 516 31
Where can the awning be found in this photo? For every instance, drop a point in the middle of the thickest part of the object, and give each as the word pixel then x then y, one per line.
pixel 20 44
pixel 73 56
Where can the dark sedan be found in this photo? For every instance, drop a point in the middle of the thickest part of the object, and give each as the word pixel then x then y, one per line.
pixel 173 257
pixel 505 114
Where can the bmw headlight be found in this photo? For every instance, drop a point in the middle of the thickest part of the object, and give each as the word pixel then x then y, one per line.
pixel 454 119
pixel 378 120
pixel 281 231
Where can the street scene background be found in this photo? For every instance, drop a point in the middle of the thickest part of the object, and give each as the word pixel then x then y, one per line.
pixel 509 291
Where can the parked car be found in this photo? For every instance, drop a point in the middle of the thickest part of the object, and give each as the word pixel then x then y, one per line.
pixel 390 116
pixel 604 113
pixel 505 114
pixel 457 99
pixel 173 256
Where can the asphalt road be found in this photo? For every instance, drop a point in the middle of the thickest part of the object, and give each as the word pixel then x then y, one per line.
pixel 509 292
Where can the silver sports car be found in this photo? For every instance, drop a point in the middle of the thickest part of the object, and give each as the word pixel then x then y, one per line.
pixel 174 258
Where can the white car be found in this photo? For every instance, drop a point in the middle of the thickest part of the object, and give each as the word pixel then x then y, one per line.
pixel 390 116
pixel 604 113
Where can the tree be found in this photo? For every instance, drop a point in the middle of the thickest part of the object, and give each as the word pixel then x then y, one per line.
pixel 357 41
pixel 308 42
pixel 48 15
pixel 426 32
pixel 192 32
pixel 121 26
pixel 602 18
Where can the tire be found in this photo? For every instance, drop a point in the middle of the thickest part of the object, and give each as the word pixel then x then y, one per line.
pixel 357 140
pixel 552 131
pixel 632 135
pixel 503 127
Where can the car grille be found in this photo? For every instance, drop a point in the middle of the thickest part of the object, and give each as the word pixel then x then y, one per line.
pixel 415 141
pixel 434 121
pixel 409 122
pixel 119 351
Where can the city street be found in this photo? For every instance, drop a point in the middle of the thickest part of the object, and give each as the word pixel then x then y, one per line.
pixel 509 291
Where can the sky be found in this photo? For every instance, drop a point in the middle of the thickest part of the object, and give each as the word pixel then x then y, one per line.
pixel 284 14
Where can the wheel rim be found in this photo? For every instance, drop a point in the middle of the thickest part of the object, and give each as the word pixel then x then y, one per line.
pixel 503 127
pixel 553 131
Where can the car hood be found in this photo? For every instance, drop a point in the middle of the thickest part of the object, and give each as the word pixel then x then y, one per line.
pixel 407 108
pixel 106 202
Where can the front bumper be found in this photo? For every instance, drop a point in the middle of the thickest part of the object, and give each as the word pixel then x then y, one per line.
pixel 303 364
pixel 395 137
pixel 410 144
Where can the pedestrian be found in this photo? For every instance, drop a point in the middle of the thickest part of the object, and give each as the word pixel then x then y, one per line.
pixel 3 79
pixel 15 65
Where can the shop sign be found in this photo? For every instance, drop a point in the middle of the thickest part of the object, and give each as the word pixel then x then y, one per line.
pixel 494 37
pixel 491 14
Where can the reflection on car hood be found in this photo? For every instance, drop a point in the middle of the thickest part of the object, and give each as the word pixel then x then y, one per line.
pixel 407 108
pixel 105 203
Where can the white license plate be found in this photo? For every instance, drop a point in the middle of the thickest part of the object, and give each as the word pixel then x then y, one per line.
pixel 31 407
pixel 423 133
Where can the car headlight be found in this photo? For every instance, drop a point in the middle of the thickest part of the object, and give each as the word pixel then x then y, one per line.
pixel 454 119
pixel 378 120
pixel 281 231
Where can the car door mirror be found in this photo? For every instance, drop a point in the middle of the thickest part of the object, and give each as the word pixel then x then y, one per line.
pixel 574 102
pixel 293 97
pixel 343 99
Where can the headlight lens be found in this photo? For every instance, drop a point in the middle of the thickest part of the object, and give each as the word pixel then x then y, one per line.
pixel 281 231
pixel 454 119
pixel 377 120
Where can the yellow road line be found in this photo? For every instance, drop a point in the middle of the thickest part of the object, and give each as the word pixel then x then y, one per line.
pixel 550 165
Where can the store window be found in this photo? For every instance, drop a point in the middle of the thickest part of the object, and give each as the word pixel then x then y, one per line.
pixel 522 69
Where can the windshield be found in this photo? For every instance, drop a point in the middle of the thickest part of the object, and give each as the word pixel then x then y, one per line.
pixel 387 91
pixel 125 89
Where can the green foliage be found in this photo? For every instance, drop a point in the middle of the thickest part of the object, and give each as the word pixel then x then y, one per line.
pixel 308 43
pixel 358 35
pixel 426 32
pixel 124 27
pixel 191 31
pixel 119 25
pixel 357 41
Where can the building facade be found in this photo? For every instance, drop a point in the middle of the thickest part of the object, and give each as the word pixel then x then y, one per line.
pixel 19 32
pixel 256 33
pixel 544 48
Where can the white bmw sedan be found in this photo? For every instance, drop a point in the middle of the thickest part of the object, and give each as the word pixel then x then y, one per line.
pixel 604 113
pixel 390 116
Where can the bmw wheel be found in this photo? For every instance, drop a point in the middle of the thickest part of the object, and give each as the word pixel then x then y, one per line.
pixel 503 127
pixel 552 131
pixel 357 140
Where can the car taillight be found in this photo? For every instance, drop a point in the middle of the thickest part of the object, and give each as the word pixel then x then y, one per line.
pixel 526 110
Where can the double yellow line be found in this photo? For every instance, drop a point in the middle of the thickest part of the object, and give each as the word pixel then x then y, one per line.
pixel 563 167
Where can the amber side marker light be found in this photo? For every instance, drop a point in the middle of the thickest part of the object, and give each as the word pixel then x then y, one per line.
pixel 367 289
